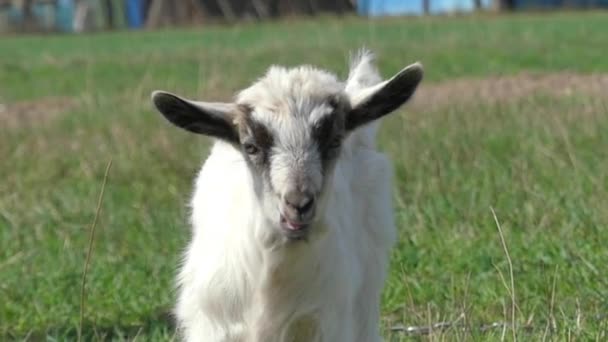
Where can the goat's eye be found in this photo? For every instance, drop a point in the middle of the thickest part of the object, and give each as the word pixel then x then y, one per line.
pixel 335 142
pixel 251 148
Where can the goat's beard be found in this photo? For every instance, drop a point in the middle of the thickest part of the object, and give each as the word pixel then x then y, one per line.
pixel 267 214
pixel 267 218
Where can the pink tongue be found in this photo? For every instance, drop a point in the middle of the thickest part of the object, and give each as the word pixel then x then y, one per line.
pixel 293 226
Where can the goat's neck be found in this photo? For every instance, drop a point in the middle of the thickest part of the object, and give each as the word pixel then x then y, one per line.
pixel 275 255
pixel 278 283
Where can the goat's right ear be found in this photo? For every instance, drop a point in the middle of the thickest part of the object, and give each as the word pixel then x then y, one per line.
pixel 212 119
pixel 385 97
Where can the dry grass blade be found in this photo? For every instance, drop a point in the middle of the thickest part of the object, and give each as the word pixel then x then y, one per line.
pixel 512 292
pixel 90 249
pixel 552 306
pixel 423 329
pixel 443 326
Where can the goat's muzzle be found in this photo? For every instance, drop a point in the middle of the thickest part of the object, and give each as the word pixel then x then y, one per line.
pixel 297 211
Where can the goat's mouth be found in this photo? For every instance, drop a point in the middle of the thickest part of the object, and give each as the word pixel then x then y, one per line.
pixel 294 229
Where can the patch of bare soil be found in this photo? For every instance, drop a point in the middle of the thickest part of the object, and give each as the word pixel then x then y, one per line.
pixel 34 112
pixel 430 96
pixel 508 88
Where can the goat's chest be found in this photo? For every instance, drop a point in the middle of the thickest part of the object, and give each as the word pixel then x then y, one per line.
pixel 303 295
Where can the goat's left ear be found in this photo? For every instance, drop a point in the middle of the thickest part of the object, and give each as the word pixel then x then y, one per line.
pixel 383 98
pixel 214 119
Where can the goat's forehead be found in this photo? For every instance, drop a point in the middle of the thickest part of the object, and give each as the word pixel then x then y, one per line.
pixel 290 102
pixel 292 134
pixel 297 117
pixel 284 94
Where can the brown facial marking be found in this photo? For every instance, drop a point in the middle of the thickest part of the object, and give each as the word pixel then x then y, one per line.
pixel 325 130
pixel 254 133
pixel 328 132
pixel 260 134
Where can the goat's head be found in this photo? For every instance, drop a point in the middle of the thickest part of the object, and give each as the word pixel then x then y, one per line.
pixel 290 126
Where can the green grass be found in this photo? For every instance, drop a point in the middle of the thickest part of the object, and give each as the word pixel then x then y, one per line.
pixel 540 161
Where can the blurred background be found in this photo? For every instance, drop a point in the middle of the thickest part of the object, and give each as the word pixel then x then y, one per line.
pixel 507 134
pixel 90 15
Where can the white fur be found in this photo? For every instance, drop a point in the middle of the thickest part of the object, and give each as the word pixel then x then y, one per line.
pixel 238 283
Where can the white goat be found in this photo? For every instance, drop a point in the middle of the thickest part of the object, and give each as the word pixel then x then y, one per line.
pixel 292 214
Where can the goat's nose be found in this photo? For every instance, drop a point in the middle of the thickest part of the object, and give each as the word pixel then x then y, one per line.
pixel 301 202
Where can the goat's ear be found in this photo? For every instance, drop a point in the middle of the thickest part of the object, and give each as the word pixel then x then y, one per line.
pixel 383 98
pixel 212 119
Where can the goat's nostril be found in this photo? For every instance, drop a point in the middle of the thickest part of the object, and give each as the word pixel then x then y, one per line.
pixel 306 206
pixel 299 202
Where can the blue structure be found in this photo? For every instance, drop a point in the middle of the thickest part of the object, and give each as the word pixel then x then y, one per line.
pixel 373 8
pixel 64 15
pixel 60 14
pixel 135 13
pixel 547 4
pixel 47 16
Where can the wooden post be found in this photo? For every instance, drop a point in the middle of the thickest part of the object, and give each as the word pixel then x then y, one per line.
pixel 162 12
pixel 505 5
pixel 260 8
pixel 274 8
pixel 28 22
pixel 227 10
pixel 109 9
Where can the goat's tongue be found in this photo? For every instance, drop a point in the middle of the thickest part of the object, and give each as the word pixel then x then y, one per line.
pixel 293 225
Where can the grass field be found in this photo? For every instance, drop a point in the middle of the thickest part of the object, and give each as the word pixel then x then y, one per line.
pixel 512 115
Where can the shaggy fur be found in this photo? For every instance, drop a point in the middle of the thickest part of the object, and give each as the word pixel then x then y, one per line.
pixel 245 277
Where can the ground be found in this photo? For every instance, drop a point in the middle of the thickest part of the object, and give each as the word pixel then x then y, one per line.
pixel 512 116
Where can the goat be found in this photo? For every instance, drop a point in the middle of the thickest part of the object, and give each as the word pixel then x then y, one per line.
pixel 292 216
